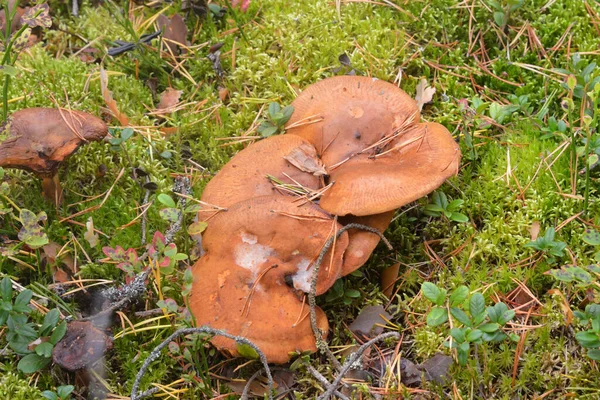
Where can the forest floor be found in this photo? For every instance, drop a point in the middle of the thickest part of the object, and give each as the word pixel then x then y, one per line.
pixel 516 85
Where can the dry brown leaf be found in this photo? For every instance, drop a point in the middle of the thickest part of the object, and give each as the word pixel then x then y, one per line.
pixel 534 230
pixel 110 102
pixel 174 31
pixel 90 235
pixel 168 100
pixel 424 93
pixel 223 93
pixel 304 157
pixel 388 279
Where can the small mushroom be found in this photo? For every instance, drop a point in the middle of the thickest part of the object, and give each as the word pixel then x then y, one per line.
pixel 82 346
pixel 245 175
pixel 344 115
pixel 412 165
pixel 258 264
pixel 40 139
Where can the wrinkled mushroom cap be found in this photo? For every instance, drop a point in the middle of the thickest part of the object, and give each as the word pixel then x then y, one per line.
pixel 255 252
pixel 353 112
pixel 414 164
pixel 245 175
pixel 39 139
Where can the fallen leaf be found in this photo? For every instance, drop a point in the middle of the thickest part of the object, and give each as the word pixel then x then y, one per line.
pixel 108 99
pixel 304 157
pixel 436 368
pixel 534 230
pixel 174 31
pixel 82 345
pixel 90 235
pixel 366 324
pixel 168 100
pixel 37 16
pixel 388 279
pixel 410 375
pixel 424 93
pixel 223 93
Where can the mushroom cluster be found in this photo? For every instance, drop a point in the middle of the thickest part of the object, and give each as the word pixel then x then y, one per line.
pixel 356 146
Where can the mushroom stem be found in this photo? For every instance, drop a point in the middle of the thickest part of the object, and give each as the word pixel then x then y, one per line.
pixel 52 190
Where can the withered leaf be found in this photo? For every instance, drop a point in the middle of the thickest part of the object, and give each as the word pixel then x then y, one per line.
pixel 304 157
pixel 83 345
pixel 424 93
pixel 388 279
pixel 108 99
pixel 436 368
pixel 174 32
pixel 366 324
pixel 37 16
pixel 168 100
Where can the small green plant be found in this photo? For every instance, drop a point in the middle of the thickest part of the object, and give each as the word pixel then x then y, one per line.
pixel 473 322
pixel 580 276
pixel 547 245
pixel 35 345
pixel 590 339
pixel 118 140
pixel 592 237
pixel 340 292
pixel 440 206
pixel 276 119
pixel 502 11
pixel 62 393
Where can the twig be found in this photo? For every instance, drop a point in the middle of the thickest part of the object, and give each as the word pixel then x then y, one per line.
pixel 312 302
pixel 246 391
pixel 352 359
pixel 182 185
pixel 185 331
pixel 323 380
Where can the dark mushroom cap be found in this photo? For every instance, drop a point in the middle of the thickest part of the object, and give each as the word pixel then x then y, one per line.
pixel 353 113
pixel 257 265
pixel 39 139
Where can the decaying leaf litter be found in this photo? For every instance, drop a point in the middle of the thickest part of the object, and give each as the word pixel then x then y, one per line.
pixel 514 83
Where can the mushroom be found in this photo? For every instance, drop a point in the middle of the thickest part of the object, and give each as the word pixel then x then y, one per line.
pixel 40 139
pixel 245 175
pixel 410 166
pixel 256 268
pixel 344 115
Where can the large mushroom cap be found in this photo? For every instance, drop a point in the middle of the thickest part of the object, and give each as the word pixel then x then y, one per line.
pixel 245 175
pixel 353 113
pixel 257 264
pixel 39 139
pixel 414 164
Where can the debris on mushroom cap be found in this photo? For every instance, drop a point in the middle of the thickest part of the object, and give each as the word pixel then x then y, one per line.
pixel 245 175
pixel 39 139
pixel 362 243
pixel 257 265
pixel 412 165
pixel 344 115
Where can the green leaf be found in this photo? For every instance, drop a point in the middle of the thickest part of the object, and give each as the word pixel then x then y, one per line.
pixel 166 200
pixel 437 316
pixel 24 297
pixel 169 214
pixel 31 232
pixel 433 293
pixel 458 217
pixel 65 391
pixel 246 351
pixel 476 305
pixel 593 268
pixel 274 108
pixel 32 363
pixel 287 114
pixel 591 237
pixel 50 321
pixel 588 339
pixel 6 289
pixel 459 295
pixel 461 316
pixel 495 337
pixel 353 293
pixel 474 335
pixel 594 354
pixel 9 70
pixel 126 133
pixel 50 395
pixel 462 353
pixel 268 131
pixel 44 349
pixel 489 328
pixel 458 334
pixel 58 333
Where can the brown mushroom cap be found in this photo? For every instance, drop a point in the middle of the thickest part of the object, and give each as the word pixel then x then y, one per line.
pixel 362 243
pixel 252 250
pixel 414 164
pixel 245 175
pixel 354 112
pixel 39 139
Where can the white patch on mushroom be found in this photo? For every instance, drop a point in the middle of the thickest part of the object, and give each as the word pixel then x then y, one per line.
pixel 251 255
pixel 303 276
